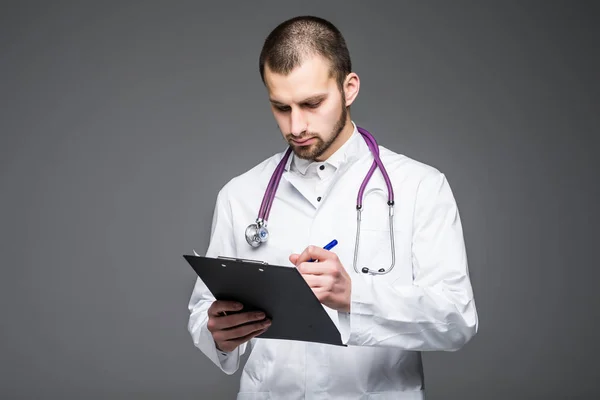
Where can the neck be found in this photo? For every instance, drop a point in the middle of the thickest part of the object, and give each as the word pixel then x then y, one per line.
pixel 342 138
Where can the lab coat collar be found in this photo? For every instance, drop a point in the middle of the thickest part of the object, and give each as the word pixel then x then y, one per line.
pixel 348 152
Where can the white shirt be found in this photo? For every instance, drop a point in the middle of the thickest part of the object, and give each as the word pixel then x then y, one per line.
pixel 425 303
pixel 316 176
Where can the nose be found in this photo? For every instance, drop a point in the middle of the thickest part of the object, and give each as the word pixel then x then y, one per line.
pixel 298 122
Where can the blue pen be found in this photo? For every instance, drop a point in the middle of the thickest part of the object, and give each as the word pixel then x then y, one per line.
pixel 328 246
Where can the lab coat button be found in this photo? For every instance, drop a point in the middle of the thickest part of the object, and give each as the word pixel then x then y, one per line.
pixel 319 198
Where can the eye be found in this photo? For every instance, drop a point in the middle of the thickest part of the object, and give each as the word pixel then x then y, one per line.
pixel 282 108
pixel 313 105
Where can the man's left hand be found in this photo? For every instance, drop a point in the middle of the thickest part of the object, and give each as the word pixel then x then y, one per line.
pixel 327 277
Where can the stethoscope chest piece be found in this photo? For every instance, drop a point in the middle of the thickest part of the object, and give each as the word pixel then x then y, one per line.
pixel 257 234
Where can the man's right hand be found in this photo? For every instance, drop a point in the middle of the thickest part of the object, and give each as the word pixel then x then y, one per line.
pixel 229 331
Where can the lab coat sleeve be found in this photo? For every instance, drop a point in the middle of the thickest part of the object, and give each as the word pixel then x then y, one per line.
pixel 434 311
pixel 220 244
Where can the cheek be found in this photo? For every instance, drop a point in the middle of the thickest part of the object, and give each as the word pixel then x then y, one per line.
pixel 282 122
pixel 326 117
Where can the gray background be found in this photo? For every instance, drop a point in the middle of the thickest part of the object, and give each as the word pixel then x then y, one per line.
pixel 120 121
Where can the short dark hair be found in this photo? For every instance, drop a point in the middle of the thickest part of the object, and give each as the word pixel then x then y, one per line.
pixel 293 40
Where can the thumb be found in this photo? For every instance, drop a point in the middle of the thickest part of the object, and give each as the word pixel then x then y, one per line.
pixel 294 258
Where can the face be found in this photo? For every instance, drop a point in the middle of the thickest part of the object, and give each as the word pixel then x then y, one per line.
pixel 310 108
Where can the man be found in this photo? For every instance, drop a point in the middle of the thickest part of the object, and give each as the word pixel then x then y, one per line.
pixel 423 303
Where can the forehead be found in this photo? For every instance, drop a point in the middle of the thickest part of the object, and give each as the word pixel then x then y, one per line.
pixel 311 76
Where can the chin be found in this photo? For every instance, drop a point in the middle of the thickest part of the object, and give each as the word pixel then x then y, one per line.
pixel 311 152
pixel 304 153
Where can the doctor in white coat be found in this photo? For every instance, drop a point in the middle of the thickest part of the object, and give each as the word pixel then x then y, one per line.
pixel 424 303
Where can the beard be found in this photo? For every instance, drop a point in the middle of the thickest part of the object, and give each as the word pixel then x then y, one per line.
pixel 320 146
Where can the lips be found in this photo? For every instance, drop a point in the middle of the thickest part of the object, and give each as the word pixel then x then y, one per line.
pixel 303 142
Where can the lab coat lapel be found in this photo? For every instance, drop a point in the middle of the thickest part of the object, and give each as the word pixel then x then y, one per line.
pixel 300 186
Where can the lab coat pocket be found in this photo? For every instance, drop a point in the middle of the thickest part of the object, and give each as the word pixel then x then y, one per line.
pixel 374 249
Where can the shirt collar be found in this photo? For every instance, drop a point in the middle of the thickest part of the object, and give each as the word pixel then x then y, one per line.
pixel 351 150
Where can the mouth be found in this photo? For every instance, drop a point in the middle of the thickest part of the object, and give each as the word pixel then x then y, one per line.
pixel 303 142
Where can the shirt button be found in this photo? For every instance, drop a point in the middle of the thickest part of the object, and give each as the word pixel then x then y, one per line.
pixel 319 198
pixel 322 167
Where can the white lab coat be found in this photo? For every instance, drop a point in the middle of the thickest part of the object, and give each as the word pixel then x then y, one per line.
pixel 425 303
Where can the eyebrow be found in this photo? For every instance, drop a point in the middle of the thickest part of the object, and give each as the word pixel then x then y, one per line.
pixel 311 99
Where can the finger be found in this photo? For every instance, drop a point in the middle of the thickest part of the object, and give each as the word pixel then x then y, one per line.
pixel 220 306
pixel 321 290
pixel 230 345
pixel 241 331
pixel 313 281
pixel 234 320
pixel 321 293
pixel 315 253
pixel 312 268
pixel 217 323
pixel 293 258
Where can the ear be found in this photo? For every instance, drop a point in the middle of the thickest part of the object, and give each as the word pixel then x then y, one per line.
pixel 351 87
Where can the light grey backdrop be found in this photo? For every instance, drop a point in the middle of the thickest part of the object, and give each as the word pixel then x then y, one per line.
pixel 120 121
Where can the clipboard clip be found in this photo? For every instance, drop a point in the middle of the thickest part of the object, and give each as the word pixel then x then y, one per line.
pixel 244 260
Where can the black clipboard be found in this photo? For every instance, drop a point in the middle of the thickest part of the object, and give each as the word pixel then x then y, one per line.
pixel 281 292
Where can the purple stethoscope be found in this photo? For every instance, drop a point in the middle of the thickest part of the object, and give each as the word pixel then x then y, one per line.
pixel 257 233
